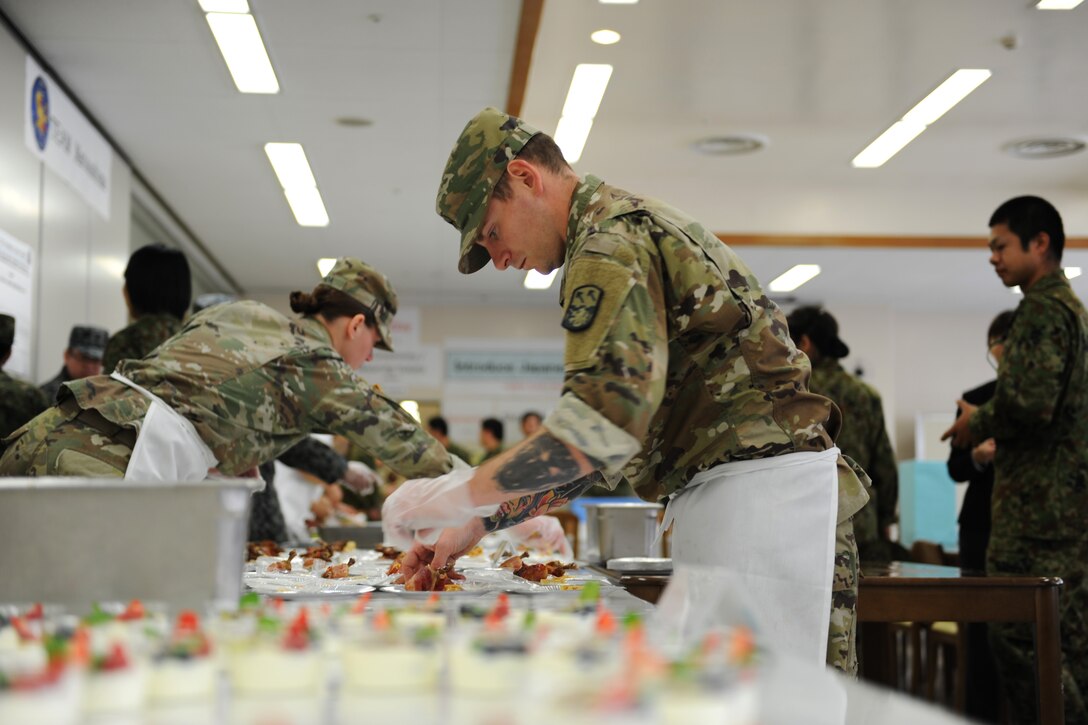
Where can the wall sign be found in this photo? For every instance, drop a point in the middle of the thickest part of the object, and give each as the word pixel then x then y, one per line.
pixel 58 133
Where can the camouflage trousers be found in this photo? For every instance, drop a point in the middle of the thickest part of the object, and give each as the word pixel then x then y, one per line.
pixel 56 444
pixel 1013 643
pixel 842 635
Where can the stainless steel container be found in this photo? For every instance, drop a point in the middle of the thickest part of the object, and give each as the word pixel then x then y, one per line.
pixel 615 530
pixel 75 541
pixel 366 536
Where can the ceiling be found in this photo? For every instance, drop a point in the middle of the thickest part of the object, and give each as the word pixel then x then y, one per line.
pixel 819 80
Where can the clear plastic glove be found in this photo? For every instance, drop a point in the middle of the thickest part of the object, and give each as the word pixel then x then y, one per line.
pixel 450 546
pixel 360 478
pixel 541 532
pixel 420 508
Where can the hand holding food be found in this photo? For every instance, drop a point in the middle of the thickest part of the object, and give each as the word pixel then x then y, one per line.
pixel 420 508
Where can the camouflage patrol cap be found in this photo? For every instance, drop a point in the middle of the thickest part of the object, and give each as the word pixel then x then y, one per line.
pixel 370 287
pixel 820 327
pixel 7 330
pixel 89 340
pixel 478 160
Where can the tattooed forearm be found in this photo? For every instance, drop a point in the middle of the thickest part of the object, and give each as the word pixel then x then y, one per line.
pixel 541 463
pixel 525 507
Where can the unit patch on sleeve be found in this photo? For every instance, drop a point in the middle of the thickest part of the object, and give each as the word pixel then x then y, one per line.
pixel 582 308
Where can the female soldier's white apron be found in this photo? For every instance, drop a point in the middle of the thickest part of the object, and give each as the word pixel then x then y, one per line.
pixel 768 526
pixel 168 448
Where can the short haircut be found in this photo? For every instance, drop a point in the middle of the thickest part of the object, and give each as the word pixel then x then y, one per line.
pixel 4 350
pixel 531 414
pixel 493 426
pixel 999 328
pixel 1029 216
pixel 439 424
pixel 540 150
pixel 158 281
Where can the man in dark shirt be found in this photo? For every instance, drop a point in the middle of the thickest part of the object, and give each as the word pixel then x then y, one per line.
pixel 974 464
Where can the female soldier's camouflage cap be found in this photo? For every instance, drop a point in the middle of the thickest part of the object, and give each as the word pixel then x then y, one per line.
pixel 478 160
pixel 373 289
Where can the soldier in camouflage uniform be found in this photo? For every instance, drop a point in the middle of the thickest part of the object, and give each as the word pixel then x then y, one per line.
pixel 157 290
pixel 251 382
pixel 82 358
pixel 19 401
pixel 675 360
pixel 1038 418
pixel 864 437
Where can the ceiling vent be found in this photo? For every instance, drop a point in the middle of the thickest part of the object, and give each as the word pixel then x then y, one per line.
pixel 1044 148
pixel 354 122
pixel 732 145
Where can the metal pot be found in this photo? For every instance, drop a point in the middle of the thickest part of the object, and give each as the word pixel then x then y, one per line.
pixel 616 530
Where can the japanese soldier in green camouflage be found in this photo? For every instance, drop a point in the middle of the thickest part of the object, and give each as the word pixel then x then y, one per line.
pixel 864 436
pixel 676 362
pixel 251 382
pixel 1038 418
pixel 19 401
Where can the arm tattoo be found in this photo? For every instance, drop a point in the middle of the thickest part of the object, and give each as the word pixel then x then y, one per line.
pixel 542 464
pixel 526 507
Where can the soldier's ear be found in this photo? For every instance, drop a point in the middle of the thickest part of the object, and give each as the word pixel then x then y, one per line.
pixel 1043 240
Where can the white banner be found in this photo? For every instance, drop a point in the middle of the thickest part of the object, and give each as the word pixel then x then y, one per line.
pixel 410 371
pixel 406 328
pixel 16 299
pixel 58 133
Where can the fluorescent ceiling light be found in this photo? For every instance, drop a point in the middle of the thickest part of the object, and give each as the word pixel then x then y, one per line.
pixel 299 186
pixel 307 206
pixel 957 87
pixel 584 96
pixel 290 164
pixel 793 277
pixel 224 6
pixel 587 89
pixel 325 265
pixel 947 95
pixel 536 280
pixel 1053 4
pixel 571 135
pixel 887 145
pixel 605 37
pixel 1072 272
pixel 243 50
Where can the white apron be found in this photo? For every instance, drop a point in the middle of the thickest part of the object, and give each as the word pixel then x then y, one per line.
pixel 768 527
pixel 168 448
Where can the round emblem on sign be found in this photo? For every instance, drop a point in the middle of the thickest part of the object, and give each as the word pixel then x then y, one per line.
pixel 39 111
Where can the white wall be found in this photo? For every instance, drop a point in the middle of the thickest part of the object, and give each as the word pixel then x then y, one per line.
pixel 79 255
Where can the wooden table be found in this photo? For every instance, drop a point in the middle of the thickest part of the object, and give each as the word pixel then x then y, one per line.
pixel 902 591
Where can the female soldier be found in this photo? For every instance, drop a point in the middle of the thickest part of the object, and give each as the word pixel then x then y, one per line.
pixel 237 386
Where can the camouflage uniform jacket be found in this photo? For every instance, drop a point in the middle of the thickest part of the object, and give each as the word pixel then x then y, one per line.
pixel 254 383
pixel 863 437
pixel 138 339
pixel 675 360
pixel 19 402
pixel 1039 417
